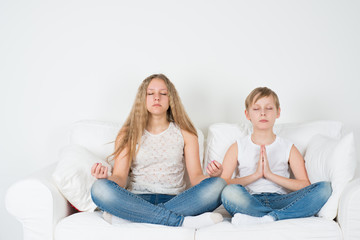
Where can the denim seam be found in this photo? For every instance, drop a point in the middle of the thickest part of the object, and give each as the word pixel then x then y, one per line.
pixel 304 194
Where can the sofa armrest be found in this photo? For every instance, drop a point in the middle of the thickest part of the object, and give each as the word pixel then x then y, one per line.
pixel 349 211
pixel 36 202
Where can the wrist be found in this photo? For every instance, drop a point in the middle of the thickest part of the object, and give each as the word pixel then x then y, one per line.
pixel 269 175
pixel 257 176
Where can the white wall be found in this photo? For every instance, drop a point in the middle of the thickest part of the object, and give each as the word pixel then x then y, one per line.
pixel 64 61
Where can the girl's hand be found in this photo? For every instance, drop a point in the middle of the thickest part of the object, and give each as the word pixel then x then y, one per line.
pixel 266 168
pixel 214 169
pixel 99 171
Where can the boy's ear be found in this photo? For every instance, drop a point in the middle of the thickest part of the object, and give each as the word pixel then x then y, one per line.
pixel 278 112
pixel 247 115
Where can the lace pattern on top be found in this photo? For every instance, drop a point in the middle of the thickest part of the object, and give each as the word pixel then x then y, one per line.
pixel 159 165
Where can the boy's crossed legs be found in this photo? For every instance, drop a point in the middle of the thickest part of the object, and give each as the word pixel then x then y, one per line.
pixel 267 207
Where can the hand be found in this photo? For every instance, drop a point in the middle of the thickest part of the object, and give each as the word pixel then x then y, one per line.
pixel 214 169
pixel 266 168
pixel 260 167
pixel 99 171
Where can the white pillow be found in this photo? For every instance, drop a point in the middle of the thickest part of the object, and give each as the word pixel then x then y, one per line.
pixel 73 176
pixel 301 133
pixel 329 159
pixel 220 137
pixel 97 136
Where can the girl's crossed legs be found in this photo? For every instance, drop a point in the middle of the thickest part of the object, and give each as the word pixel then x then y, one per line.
pixel 148 208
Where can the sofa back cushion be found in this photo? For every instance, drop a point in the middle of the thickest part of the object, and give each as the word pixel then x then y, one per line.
pixel 329 159
pixel 219 139
pixel 96 136
pixel 99 136
pixel 222 135
pixel 73 177
pixel 90 142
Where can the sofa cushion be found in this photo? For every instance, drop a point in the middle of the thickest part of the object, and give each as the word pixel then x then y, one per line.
pixel 86 225
pixel 96 136
pixel 91 142
pixel 299 228
pixel 301 133
pixel 73 176
pixel 334 160
pixel 222 135
pixel 99 136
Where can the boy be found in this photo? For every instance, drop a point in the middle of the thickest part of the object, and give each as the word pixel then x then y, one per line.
pixel 262 190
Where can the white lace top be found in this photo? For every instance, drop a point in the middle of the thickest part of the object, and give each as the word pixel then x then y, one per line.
pixel 159 165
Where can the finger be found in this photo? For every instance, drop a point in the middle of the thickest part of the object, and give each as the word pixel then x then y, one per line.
pixel 210 169
pixel 213 167
pixel 104 172
pixel 216 164
pixel 217 171
pixel 95 167
pixel 98 169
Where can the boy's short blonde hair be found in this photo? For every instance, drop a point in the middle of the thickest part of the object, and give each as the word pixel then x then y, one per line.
pixel 258 93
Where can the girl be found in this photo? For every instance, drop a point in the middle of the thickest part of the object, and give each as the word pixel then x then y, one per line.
pixel 262 191
pixel 152 150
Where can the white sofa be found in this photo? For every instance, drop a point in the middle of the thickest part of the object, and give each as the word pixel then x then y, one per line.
pixel 41 201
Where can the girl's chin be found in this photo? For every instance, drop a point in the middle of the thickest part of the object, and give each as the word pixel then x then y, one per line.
pixel 157 113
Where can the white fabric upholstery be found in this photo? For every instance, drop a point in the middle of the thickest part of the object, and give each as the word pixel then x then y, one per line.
pixel 90 143
pixel 349 211
pixel 222 135
pixel 44 212
pixel 73 176
pixel 302 228
pixel 37 203
pixel 96 136
pixel 328 159
pixel 99 136
pixel 301 133
pixel 91 226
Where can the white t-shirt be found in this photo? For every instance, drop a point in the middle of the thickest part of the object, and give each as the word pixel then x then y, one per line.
pixel 159 165
pixel 278 154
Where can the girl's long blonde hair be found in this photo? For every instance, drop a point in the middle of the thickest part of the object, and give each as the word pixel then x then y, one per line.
pixel 130 133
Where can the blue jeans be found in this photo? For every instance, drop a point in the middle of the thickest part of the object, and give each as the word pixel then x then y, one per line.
pixel 305 202
pixel 162 209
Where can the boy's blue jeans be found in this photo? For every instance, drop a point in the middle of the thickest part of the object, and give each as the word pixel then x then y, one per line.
pixel 305 202
pixel 162 209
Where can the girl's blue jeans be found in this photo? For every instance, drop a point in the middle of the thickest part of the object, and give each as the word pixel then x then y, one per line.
pixel 305 202
pixel 162 209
